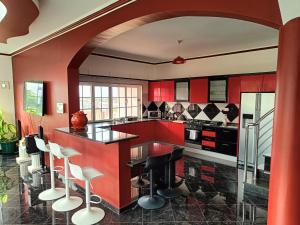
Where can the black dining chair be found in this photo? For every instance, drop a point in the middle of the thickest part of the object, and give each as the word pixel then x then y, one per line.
pixel 153 164
pixel 170 192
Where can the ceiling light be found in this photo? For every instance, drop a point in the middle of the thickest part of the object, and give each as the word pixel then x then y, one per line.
pixel 3 11
pixel 179 59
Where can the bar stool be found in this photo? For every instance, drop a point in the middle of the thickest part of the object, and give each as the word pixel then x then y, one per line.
pixel 67 203
pixel 172 192
pixel 88 215
pixel 153 201
pixel 52 193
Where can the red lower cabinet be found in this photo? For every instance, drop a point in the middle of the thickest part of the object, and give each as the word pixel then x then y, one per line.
pixel 176 133
pixel 170 132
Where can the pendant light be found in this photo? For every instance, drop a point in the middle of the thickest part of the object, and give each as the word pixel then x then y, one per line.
pixel 179 59
pixel 3 11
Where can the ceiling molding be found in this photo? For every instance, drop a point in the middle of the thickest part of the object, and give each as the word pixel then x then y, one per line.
pixel 20 15
pixel 188 59
pixel 117 5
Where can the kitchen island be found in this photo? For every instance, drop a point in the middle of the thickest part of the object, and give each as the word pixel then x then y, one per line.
pixel 107 151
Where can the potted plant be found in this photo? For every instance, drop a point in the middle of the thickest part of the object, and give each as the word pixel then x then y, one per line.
pixel 8 136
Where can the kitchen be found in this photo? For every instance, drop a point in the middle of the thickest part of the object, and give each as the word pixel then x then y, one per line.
pixel 211 143
pixel 133 118
pixel 200 114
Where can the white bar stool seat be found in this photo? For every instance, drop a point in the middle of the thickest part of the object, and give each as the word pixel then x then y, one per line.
pixel 67 203
pixel 88 215
pixel 52 193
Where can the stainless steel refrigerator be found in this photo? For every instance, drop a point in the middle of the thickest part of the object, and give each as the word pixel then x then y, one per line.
pixel 253 106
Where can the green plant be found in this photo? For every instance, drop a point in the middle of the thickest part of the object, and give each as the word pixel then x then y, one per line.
pixel 7 131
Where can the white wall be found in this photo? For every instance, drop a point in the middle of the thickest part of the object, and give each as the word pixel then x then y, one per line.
pixel 98 65
pixel 249 62
pixel 7 103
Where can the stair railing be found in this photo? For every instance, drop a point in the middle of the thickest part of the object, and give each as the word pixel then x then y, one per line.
pixel 256 126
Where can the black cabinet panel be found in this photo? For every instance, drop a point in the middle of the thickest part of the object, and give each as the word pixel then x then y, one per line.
pixel 227 135
pixel 226 148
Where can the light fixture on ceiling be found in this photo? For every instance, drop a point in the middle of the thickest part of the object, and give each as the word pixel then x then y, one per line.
pixel 3 11
pixel 179 59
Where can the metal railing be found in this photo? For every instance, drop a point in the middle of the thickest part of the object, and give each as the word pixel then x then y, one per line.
pixel 256 146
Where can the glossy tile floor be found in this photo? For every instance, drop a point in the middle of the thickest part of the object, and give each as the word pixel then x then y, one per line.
pixel 210 197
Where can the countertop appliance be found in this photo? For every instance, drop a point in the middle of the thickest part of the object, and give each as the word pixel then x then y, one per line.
pixel 253 106
pixel 154 114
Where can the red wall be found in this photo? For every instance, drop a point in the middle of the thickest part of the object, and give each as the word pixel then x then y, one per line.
pixel 49 61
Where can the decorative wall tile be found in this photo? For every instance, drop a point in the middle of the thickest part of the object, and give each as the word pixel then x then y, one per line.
pixel 178 108
pixel 152 106
pixel 211 110
pixel 187 115
pixel 193 110
pixel 233 112
pixel 144 108
pixel 202 116
pixel 163 107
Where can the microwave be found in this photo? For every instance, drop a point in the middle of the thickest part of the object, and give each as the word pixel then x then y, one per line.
pixel 154 114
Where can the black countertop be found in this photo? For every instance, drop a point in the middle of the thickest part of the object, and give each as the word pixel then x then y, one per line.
pixel 102 132
pixel 94 133
pixel 109 124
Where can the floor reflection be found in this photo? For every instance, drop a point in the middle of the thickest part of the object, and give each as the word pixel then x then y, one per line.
pixel 212 194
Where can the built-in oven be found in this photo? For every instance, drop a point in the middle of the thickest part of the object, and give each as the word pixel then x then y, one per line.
pixel 193 132
pixel 154 114
pixel 192 136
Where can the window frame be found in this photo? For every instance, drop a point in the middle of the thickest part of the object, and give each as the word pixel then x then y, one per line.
pixel 110 97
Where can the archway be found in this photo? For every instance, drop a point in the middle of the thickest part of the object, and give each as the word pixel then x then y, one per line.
pixel 138 14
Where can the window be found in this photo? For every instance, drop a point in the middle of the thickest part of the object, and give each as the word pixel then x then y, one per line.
pixel 132 101
pixel 119 102
pixel 101 102
pixel 85 99
pixel 107 102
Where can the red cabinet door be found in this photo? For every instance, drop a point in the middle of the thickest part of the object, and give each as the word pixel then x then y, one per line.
pixel 154 91
pixel 199 90
pixel 234 90
pixel 252 83
pixel 269 83
pixel 167 91
pixel 176 133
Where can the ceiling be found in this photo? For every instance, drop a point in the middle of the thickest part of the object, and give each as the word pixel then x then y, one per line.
pixel 156 42
pixel 54 15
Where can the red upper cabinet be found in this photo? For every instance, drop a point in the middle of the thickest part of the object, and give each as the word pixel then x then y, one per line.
pixel 167 91
pixel 234 90
pixel 269 83
pixel 252 83
pixel 154 91
pixel 199 90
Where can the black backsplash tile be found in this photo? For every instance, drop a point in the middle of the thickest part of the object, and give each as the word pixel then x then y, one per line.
pixel 211 110
pixel 233 112
pixel 163 107
pixel 193 110
pixel 152 107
